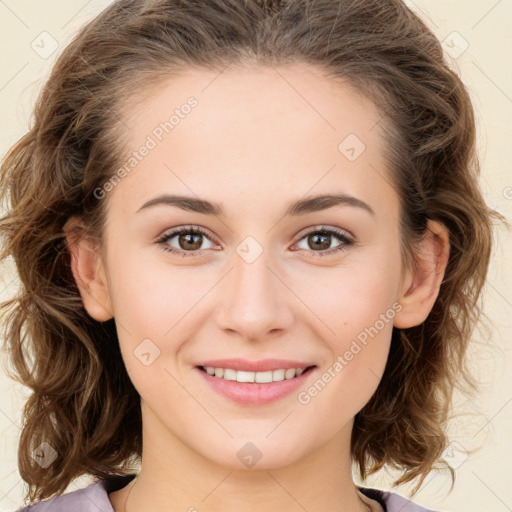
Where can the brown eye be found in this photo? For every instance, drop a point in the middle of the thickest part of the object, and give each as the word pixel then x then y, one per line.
pixel 319 241
pixel 190 241
pixel 187 240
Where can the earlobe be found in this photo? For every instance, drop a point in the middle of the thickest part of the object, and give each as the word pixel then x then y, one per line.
pixel 89 273
pixel 421 287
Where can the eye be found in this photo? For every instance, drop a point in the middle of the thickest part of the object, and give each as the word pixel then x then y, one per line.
pixel 322 238
pixel 188 240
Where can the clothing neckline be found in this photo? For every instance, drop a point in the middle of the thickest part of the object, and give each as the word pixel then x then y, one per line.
pixel 117 482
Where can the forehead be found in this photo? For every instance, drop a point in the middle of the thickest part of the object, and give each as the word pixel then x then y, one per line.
pixel 252 131
pixel 296 98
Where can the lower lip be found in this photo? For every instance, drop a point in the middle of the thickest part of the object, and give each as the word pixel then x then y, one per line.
pixel 255 393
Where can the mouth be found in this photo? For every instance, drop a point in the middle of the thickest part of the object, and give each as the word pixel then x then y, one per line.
pixel 255 388
pixel 250 377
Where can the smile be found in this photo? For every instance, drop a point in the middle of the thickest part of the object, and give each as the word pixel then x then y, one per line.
pixel 259 377
pixel 254 388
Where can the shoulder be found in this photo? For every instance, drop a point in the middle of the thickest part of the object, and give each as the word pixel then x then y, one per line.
pixel 393 502
pixel 93 498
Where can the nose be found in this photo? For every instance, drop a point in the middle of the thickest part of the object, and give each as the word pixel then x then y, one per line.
pixel 255 300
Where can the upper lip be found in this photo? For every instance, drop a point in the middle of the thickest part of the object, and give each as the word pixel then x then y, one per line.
pixel 255 366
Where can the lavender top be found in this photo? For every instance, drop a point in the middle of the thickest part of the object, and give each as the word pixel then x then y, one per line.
pixel 94 498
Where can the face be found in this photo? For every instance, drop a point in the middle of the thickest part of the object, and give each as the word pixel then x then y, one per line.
pixel 257 281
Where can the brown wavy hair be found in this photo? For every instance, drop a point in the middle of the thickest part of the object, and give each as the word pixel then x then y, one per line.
pixel 83 402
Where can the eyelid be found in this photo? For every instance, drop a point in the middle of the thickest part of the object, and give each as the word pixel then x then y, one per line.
pixel 323 227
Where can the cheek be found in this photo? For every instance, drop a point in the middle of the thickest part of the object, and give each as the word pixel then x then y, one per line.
pixel 155 309
pixel 351 298
pixel 360 321
pixel 356 307
pixel 149 296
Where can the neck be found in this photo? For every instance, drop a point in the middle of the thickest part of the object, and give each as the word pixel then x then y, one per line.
pixel 174 476
pixel 369 505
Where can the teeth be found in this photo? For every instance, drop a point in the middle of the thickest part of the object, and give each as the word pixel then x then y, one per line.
pixel 261 377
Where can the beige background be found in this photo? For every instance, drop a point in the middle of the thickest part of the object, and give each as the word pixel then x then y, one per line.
pixel 478 38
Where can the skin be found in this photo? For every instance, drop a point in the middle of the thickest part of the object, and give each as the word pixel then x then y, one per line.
pixel 259 139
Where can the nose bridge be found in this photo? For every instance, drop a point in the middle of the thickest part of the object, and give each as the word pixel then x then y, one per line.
pixel 254 302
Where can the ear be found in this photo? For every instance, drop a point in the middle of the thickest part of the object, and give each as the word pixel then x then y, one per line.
pixel 420 288
pixel 88 271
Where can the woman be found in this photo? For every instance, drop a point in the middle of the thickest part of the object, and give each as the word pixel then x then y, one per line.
pixel 251 242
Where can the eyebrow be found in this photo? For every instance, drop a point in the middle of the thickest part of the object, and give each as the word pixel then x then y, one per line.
pixel 300 207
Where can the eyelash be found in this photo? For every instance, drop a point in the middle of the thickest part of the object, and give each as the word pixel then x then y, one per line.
pixel 196 230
